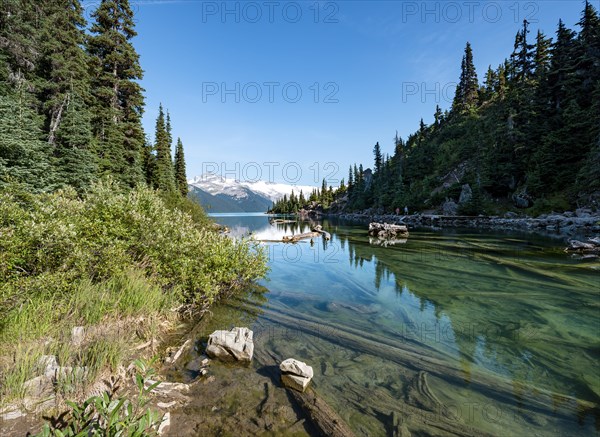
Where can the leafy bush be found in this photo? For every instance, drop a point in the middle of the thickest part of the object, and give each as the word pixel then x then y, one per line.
pixel 106 416
pixel 55 244
pixel 67 260
pixel 545 205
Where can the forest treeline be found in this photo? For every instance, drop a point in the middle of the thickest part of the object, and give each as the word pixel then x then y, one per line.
pixel 71 104
pixel 527 136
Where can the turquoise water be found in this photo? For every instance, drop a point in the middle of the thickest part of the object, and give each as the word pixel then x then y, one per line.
pixel 454 331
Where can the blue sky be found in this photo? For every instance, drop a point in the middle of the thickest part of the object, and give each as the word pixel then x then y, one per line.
pixel 378 66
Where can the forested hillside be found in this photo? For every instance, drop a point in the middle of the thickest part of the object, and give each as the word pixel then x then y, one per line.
pixel 71 103
pixel 525 134
pixel 529 133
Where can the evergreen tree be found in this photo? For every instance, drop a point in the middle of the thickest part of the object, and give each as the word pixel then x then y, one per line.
pixel 502 82
pixel 378 162
pixel 118 98
pixel 522 56
pixel 588 54
pixel 64 89
pixel 19 41
pixel 63 63
pixel 163 176
pixel 323 197
pixel 180 171
pixel 466 97
pixel 437 116
pixel 590 29
pixel 487 91
pixel 169 131
pixel 350 180
pixel 76 163
pixel 24 157
pixel 542 56
pixel 561 74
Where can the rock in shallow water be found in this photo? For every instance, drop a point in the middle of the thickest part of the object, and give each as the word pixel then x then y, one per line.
pixel 295 374
pixel 234 345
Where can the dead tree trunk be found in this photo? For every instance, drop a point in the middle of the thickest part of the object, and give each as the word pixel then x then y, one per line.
pixel 319 229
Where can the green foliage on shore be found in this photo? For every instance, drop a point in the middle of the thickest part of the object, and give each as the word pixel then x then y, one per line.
pixel 110 255
pixel 56 246
pixel 294 203
pixel 109 415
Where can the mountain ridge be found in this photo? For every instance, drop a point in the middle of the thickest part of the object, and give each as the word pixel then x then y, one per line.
pixel 218 194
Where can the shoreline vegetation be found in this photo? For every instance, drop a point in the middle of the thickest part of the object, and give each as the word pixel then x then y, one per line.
pixel 102 254
pixel 582 222
pixel 89 282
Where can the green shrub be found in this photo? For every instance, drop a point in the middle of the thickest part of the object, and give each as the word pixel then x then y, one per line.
pixel 67 260
pixel 107 415
pixel 545 205
pixel 50 243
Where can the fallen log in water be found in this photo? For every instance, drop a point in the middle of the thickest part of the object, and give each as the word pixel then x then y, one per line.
pixel 385 230
pixel 320 230
pixel 494 386
pixel 592 246
pixel 322 416
pixel 433 421
pixel 298 237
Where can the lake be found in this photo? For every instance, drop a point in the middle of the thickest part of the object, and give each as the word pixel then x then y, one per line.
pixel 448 331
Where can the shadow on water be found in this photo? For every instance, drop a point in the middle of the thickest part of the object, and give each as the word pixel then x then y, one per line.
pixel 449 332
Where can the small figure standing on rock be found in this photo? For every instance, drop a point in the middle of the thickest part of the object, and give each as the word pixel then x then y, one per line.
pixel 406 210
pixel 397 211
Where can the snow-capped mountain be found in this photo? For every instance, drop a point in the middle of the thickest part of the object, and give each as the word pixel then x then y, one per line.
pixel 219 194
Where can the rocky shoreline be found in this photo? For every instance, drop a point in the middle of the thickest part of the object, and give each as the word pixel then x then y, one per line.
pixel 583 222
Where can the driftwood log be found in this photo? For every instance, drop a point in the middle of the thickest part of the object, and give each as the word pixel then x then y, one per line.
pixel 592 246
pixel 298 237
pixel 321 415
pixel 327 421
pixel 405 354
pixel 319 229
pixel 387 231
pixel 402 416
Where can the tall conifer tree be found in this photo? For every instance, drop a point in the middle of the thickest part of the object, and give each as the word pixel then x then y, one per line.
pixel 118 97
pixel 467 91
pixel 163 177
pixel 180 171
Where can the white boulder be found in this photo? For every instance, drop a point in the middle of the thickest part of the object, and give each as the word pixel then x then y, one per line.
pixel 234 345
pixel 295 374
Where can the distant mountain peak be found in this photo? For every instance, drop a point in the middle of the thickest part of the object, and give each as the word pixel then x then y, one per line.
pixel 232 195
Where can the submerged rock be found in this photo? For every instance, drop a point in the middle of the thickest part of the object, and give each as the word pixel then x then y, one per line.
pixel 234 345
pixel 295 374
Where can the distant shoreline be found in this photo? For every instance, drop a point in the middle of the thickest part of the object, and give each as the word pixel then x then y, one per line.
pixel 567 224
